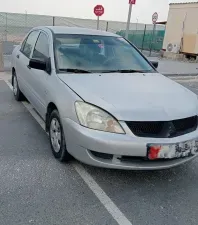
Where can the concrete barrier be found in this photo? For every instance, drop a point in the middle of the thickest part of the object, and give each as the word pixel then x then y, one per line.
pixel 1 58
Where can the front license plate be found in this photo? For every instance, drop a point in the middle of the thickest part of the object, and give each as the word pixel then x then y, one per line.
pixel 171 151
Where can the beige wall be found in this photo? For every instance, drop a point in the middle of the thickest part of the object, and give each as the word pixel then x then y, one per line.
pixel 182 15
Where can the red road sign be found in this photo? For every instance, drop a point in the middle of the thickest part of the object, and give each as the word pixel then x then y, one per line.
pixel 155 17
pixel 99 10
pixel 132 2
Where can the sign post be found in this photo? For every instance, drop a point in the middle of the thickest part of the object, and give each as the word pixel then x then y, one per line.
pixel 154 17
pixel 154 20
pixel 98 11
pixel 131 2
pixel 98 22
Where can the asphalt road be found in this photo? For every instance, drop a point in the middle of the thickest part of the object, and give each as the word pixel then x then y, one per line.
pixel 37 189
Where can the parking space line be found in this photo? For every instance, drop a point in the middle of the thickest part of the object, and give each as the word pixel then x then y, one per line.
pixel 110 206
pixel 102 196
pixel 30 109
pixel 8 83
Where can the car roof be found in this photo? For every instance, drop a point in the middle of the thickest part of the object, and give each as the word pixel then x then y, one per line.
pixel 77 30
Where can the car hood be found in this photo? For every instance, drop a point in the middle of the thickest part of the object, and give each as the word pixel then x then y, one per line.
pixel 135 96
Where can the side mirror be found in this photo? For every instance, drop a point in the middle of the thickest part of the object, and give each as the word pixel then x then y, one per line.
pixel 154 63
pixel 40 64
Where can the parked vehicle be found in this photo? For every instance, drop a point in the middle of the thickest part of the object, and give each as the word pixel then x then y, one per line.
pixel 103 102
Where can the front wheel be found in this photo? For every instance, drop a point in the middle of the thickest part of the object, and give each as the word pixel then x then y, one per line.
pixel 57 139
pixel 16 91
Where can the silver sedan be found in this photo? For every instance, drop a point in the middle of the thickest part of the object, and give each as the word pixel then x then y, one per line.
pixel 103 102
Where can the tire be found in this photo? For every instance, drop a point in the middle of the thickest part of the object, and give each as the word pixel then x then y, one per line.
pixel 57 138
pixel 16 91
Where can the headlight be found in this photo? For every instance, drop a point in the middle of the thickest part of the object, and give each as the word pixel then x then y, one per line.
pixel 95 118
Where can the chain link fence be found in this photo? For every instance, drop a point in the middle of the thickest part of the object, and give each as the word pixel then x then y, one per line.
pixel 149 39
pixel 14 26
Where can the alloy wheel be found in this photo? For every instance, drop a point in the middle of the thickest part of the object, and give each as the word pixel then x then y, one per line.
pixel 55 134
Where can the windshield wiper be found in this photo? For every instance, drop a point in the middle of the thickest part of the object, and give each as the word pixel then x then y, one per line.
pixel 74 70
pixel 127 71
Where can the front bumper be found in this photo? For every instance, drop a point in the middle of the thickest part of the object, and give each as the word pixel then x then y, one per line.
pixel 82 141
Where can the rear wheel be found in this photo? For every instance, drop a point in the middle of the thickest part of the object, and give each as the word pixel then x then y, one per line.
pixel 16 91
pixel 57 138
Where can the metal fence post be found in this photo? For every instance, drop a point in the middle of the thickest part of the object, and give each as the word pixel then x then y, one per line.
pixel 1 58
pixel 143 38
pixel 25 19
pixel 107 26
pixel 53 20
pixel 6 28
pixel 151 43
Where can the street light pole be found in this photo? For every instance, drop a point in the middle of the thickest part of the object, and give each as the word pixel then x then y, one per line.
pixel 128 21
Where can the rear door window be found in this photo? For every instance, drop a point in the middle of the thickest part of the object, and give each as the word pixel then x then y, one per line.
pixel 29 43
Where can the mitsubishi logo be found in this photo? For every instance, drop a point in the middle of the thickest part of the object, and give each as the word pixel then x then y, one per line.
pixel 171 129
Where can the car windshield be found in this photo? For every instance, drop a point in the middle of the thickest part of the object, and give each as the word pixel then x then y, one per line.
pixel 90 53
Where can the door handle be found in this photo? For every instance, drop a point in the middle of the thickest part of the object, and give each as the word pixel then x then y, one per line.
pixel 28 67
pixel 18 56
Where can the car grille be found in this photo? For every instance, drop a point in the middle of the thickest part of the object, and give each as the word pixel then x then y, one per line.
pixel 163 129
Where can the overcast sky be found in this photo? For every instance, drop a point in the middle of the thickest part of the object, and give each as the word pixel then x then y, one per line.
pixel 114 9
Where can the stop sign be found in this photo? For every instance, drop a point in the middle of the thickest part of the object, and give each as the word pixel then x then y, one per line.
pixel 99 10
pixel 132 2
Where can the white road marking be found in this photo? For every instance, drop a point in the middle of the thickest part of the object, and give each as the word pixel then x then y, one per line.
pixel 30 109
pixel 8 83
pixel 34 114
pixel 102 196
pixel 88 179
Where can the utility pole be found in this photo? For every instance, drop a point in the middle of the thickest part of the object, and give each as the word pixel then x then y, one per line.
pixel 128 21
pixel 131 2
